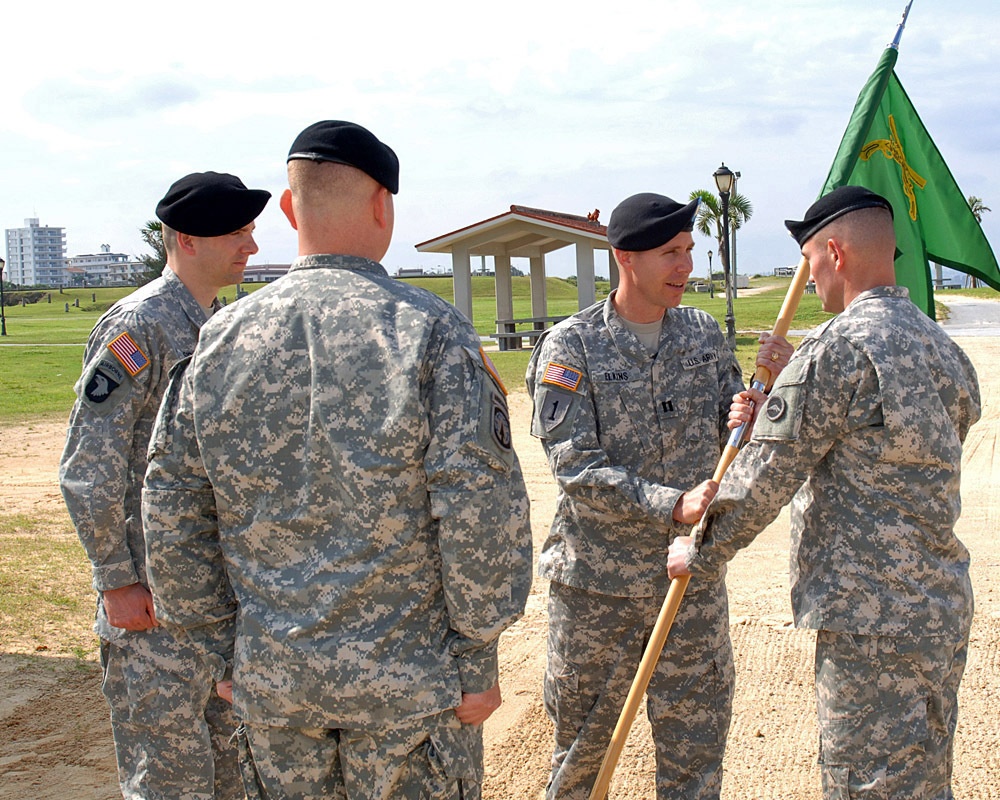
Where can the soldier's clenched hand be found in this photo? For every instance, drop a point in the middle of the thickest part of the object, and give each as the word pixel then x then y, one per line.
pixel 130 607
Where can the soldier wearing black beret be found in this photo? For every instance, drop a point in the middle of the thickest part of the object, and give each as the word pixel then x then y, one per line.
pixel 865 430
pixel 832 206
pixel 631 400
pixel 830 214
pixel 376 537
pixel 176 742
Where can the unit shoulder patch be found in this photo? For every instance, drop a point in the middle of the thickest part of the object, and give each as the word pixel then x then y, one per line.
pixel 775 408
pixel 102 383
pixel 501 424
pixel 100 386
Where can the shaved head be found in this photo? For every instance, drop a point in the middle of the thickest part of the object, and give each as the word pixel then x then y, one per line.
pixel 867 230
pixel 169 239
pixel 324 186
pixel 337 208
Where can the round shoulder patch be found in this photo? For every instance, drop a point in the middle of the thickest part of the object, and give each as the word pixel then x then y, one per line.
pixel 501 425
pixel 775 408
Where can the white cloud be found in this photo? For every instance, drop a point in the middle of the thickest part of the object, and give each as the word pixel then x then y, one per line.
pixel 563 105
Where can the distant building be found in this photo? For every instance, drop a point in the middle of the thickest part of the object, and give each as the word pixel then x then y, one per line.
pixel 410 272
pixel 36 255
pixel 104 269
pixel 264 273
pixel 784 272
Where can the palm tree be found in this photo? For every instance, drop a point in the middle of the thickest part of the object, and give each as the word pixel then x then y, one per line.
pixel 152 235
pixel 978 208
pixel 710 223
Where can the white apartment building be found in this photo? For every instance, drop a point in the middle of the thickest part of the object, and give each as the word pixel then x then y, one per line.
pixel 104 269
pixel 264 273
pixel 36 255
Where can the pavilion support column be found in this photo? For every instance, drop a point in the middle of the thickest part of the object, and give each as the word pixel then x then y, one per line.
pixel 586 293
pixel 539 292
pixel 505 301
pixel 461 276
pixel 504 290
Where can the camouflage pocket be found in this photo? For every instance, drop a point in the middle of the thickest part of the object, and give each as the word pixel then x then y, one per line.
pixel 563 701
pixel 248 769
pixel 454 757
pixel 873 734
pixel 780 418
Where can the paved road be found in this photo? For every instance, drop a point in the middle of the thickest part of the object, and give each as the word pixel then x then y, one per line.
pixel 969 316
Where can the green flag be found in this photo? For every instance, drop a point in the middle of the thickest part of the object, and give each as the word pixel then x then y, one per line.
pixel 887 149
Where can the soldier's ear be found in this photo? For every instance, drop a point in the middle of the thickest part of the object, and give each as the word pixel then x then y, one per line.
pixel 286 206
pixel 623 257
pixel 383 207
pixel 186 243
pixel 836 252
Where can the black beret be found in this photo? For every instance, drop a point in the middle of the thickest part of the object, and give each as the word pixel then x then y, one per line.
pixel 644 221
pixel 831 206
pixel 348 143
pixel 210 204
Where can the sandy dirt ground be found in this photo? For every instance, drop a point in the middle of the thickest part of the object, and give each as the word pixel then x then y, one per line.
pixel 55 741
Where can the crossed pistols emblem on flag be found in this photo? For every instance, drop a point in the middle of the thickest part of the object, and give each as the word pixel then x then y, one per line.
pixel 892 149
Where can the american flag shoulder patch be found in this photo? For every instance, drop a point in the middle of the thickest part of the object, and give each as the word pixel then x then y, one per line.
pixel 128 353
pixel 561 375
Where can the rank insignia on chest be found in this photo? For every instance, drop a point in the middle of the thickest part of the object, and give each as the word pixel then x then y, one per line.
pixel 560 375
pixel 128 353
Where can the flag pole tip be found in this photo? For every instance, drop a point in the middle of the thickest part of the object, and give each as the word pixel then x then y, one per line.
pixel 894 44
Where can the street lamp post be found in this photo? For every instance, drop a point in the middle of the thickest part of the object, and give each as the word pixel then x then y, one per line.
pixel 736 289
pixel 711 283
pixel 3 304
pixel 724 183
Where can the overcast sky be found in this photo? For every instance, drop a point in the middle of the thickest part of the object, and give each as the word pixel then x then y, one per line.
pixel 567 106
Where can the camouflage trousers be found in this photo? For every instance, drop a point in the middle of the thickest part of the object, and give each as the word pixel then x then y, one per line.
pixel 435 758
pixel 172 731
pixel 595 644
pixel 887 713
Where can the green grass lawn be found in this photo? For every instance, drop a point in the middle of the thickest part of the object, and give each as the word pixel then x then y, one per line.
pixel 37 379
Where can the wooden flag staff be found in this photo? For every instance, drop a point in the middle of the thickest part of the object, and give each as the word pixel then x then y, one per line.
pixel 762 380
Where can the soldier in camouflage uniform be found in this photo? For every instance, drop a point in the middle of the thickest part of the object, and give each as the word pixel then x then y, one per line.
pixel 631 401
pixel 171 729
pixel 863 433
pixel 336 516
